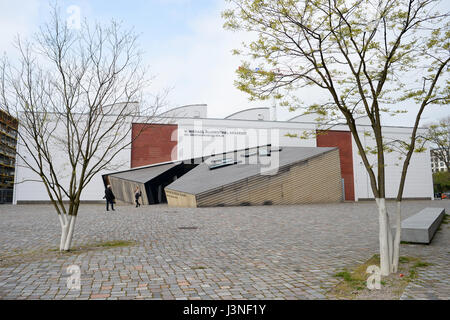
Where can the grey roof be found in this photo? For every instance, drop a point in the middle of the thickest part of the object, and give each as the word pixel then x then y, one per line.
pixel 202 179
pixel 144 175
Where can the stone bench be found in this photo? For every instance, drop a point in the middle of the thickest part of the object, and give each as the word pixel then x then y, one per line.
pixel 421 227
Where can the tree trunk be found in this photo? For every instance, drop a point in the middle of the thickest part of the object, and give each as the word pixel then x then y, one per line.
pixel 64 231
pixel 398 232
pixel 390 242
pixel 68 240
pixel 385 264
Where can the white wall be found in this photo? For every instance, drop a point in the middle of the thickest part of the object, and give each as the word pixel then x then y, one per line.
pixel 419 180
pixel 203 137
pixel 238 134
pixel 29 186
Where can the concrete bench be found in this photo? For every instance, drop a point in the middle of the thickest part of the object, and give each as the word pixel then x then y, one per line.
pixel 421 227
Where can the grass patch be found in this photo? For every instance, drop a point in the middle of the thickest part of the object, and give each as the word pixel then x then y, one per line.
pixel 20 256
pixel 98 246
pixel 118 243
pixel 405 259
pixel 413 273
pixel 344 274
pixel 421 264
pixel 198 268
pixel 354 280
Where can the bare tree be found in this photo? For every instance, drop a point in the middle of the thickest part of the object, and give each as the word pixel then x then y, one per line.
pixel 75 93
pixel 439 136
pixel 366 55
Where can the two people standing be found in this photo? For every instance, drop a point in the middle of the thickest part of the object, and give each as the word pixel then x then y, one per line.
pixel 110 197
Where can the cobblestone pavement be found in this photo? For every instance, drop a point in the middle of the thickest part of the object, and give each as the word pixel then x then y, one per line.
pixel 270 252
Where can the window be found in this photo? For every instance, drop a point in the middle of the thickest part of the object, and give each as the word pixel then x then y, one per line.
pixel 219 163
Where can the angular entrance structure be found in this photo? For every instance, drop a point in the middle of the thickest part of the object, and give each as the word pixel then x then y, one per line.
pixel 261 176
pixel 151 180
pixel 254 176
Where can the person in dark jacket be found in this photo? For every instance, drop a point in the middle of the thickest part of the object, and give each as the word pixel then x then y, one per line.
pixel 137 195
pixel 109 196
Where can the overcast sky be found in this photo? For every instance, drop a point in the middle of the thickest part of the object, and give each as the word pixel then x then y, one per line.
pixel 186 48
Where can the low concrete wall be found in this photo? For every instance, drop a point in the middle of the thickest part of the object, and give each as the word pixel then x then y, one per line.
pixel 421 227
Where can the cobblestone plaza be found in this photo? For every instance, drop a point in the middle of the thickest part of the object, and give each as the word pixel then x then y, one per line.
pixel 268 252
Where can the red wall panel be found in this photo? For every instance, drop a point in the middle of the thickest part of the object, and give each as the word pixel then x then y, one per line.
pixel 153 143
pixel 342 140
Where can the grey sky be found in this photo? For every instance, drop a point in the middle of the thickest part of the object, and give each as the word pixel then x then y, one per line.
pixel 186 48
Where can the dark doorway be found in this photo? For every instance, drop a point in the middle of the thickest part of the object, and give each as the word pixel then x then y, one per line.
pixel 155 187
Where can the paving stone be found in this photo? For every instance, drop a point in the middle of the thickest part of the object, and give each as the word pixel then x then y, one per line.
pixel 269 252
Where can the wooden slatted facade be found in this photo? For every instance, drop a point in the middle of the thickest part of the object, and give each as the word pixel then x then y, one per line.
pixel 124 190
pixel 316 180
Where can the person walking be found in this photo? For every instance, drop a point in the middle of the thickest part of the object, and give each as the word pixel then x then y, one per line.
pixel 137 195
pixel 109 196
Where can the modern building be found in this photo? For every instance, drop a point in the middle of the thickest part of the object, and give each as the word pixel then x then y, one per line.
pixel 241 177
pixel 187 138
pixel 186 134
pixel 8 142
pixel 302 175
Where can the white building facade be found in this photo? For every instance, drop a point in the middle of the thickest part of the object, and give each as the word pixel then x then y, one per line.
pixel 187 133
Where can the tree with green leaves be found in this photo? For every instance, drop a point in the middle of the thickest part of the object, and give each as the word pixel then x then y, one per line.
pixel 441 181
pixel 370 58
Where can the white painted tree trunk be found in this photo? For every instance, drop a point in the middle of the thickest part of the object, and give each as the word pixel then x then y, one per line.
pixel 390 241
pixel 70 230
pixel 385 261
pixel 67 228
pixel 64 231
pixel 398 233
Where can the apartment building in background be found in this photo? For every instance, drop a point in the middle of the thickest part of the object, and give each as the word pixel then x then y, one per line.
pixel 8 143
pixel 436 163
